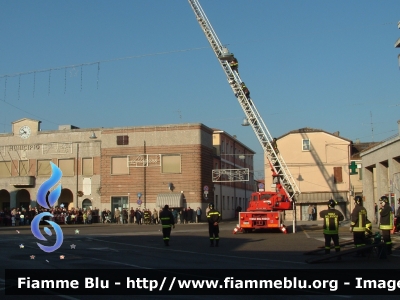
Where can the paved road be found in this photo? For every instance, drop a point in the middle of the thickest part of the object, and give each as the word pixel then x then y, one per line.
pixel 111 246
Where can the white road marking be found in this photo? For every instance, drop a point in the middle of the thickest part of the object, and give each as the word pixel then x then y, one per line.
pixel 208 254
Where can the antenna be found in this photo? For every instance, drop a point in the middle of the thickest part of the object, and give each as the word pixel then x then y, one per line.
pixel 180 115
pixel 372 127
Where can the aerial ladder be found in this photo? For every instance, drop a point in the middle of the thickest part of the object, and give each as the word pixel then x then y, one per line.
pixel 283 179
pixel 253 116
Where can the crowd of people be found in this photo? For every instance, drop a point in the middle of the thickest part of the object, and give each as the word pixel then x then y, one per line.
pixel 61 215
pixel 147 216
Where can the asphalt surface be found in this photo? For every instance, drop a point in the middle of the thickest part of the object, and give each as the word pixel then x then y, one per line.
pixel 140 247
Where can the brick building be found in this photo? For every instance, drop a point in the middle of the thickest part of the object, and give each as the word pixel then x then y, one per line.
pixel 147 166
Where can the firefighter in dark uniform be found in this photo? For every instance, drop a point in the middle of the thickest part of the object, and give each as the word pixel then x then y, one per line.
pixel 331 218
pixel 234 64
pixel 359 223
pixel 213 217
pixel 386 223
pixel 246 91
pixel 167 222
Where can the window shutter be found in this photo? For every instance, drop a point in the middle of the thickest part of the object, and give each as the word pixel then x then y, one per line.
pixel 337 174
pixel 122 140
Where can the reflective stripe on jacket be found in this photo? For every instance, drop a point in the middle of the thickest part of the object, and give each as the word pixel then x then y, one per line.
pixel 359 218
pixel 167 219
pixel 386 218
pixel 331 218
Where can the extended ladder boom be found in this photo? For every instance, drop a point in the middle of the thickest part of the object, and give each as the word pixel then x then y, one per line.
pixel 260 129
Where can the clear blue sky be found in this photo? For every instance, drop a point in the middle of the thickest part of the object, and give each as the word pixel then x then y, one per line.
pixel 328 64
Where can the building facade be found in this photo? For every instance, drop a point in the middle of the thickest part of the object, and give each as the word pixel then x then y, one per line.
pixel 25 156
pixel 319 163
pixel 381 172
pixel 109 168
pixel 234 192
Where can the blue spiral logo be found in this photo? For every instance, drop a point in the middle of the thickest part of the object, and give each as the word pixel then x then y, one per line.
pixel 41 200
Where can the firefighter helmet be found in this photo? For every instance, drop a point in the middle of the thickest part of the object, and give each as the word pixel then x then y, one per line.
pixel 211 205
pixel 358 199
pixel 384 199
pixel 332 203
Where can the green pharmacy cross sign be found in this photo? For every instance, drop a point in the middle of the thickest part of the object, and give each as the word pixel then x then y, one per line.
pixel 353 168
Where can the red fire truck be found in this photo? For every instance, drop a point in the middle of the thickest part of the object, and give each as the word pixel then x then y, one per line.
pixel 265 209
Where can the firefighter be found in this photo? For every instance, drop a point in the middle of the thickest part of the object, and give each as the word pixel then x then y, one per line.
pixel 358 224
pixel 245 90
pixel 234 64
pixel 167 221
pixel 213 217
pixel 331 218
pixel 386 223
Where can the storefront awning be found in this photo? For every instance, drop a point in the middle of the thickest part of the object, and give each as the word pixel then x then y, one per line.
pixel 321 197
pixel 171 199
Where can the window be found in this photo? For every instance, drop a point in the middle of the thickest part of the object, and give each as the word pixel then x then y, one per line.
pixel 171 163
pixel 306 145
pixel 5 169
pixel 87 166
pixel 119 166
pixel 43 168
pixel 67 166
pixel 122 140
pixel 23 168
pixel 337 175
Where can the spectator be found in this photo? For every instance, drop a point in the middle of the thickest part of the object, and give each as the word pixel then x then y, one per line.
pixel 117 216
pixel 175 214
pixel 124 216
pixel 198 215
pixel 89 216
pixel 310 212
pixel 189 215
pixel 138 216
pixel 132 216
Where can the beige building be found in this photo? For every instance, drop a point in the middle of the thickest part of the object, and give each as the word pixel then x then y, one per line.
pixel 319 163
pixel 231 154
pixel 381 172
pixel 109 168
pixel 25 156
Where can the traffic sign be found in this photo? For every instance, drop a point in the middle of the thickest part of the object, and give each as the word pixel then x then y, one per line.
pixel 139 202
pixel 205 188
